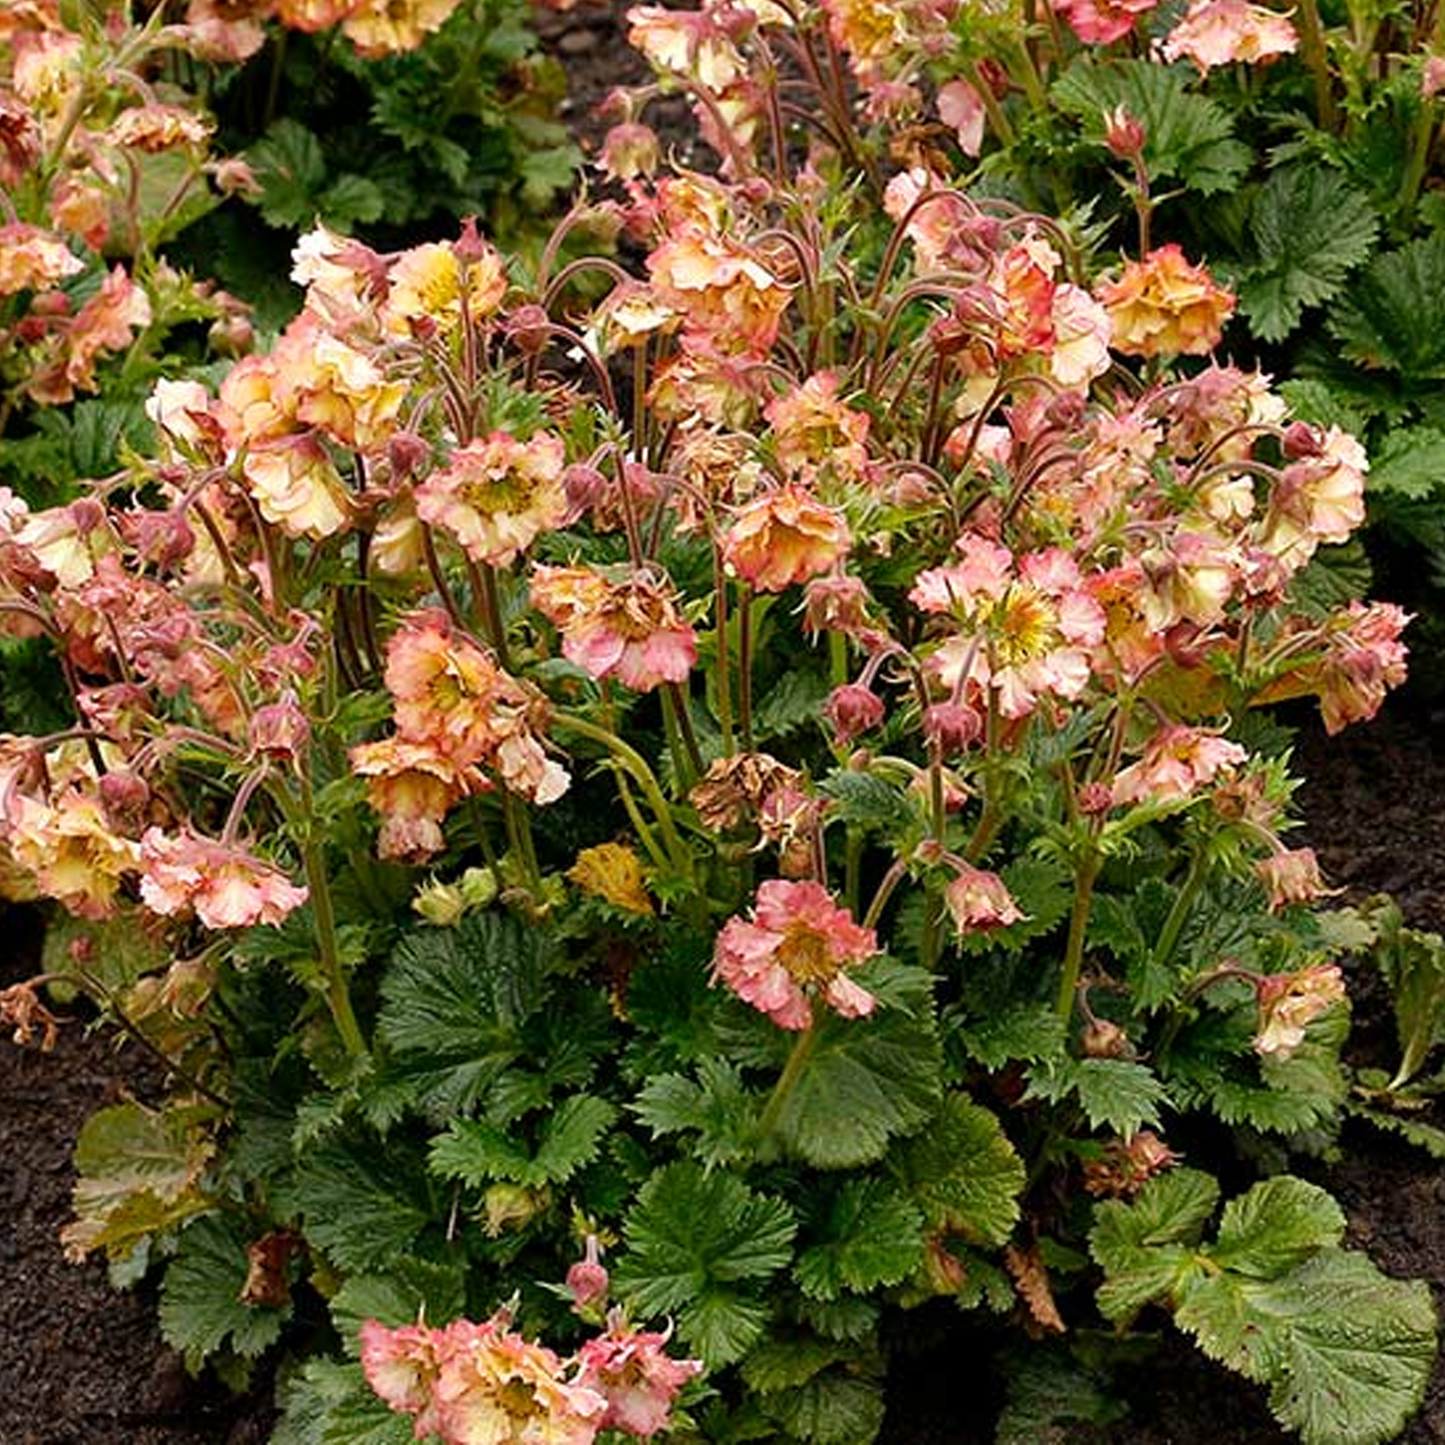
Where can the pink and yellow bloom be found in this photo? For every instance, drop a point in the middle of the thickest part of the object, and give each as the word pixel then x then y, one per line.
pixel 1100 22
pixel 632 1370
pixel 1220 32
pixel 496 495
pixel 631 630
pixel 783 537
pixel 1177 762
pixel 795 947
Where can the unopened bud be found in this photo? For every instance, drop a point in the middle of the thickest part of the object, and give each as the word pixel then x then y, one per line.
pixel 1124 133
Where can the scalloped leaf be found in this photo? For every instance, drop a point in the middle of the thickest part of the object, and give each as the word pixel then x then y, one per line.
pixel 702 1247
pixel 1276 1226
pixel 200 1297
pixel 409 1289
pixel 866 1235
pixel 1115 1094
pixel 330 1403
pixel 1311 229
pixel 1392 317
pixel 715 1106
pixel 477 1152
pixel 866 1082
pixel 964 1173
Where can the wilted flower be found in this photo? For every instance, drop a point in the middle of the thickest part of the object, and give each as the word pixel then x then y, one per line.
pixel 1289 1001
pixel 1291 875
pixel 32 259
pixel 612 872
pixel 796 945
pixel 978 900
pixel 1127 1165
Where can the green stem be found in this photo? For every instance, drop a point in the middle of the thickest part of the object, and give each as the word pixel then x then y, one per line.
pixel 323 916
pixel 1183 906
pixel 637 769
pixel 1316 59
pixel 745 665
pixel 787 1081
pixel 724 683
pixel 1078 926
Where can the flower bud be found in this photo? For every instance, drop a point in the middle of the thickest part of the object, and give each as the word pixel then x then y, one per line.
pixel 852 709
pixel 1124 133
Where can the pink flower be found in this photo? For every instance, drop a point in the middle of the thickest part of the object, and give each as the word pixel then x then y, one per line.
pixel 977 899
pixel 412 787
pixel 812 428
pixel 402 1366
pixel 497 495
pixel 783 537
pixel 852 709
pixel 961 108
pixel 1100 22
pixel 1289 1001
pixel 588 1280
pixel 1364 659
pixel 637 1377
pixel 1217 32
pixel 1024 630
pixel 225 885
pixel 1319 497
pixel 797 943
pixel 631 630
pixel 1177 761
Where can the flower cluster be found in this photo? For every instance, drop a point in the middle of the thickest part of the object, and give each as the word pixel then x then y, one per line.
pixel 484 1384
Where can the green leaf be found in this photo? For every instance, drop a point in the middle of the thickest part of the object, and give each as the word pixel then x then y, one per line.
pixel 868 803
pixel 1412 964
pixel 1047 1392
pixel 793 701
pixel 410 1289
pixel 1115 1094
pixel 1026 1032
pixel 1393 315
pixel 1148 1249
pixel 1277 1225
pixel 866 1235
pixel 964 1173
pixel 1187 136
pixel 786 1362
pixel 364 1204
pixel 702 1247
pixel 1429 1137
pixel 350 199
pixel 290 167
pixel 477 1152
pixel 716 1105
pixel 200 1304
pixel 1346 1350
pixel 1311 228
pixel 866 1081
pixel 329 1403
pixel 453 1001
pixel 833 1408
pixel 1409 463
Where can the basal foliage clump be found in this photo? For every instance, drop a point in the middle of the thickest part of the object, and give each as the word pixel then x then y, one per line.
pixel 676 810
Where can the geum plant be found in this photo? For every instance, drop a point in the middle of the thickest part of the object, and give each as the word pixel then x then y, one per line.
pixel 681 824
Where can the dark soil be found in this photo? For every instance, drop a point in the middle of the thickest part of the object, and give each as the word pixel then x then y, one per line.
pixel 83 1364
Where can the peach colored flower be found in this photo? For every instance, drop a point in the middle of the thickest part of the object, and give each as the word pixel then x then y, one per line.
pixel 689 44
pixel 1319 497
pixel 412 787
pixel 796 945
pixel 1288 1002
pixel 429 282
pixel 1164 306
pixel 782 537
pixel 225 885
pixel 389 27
pixel 71 850
pixel 729 296
pixel 312 15
pixel 106 322
pixel 156 127
pixel 1177 762
pixel 1189 577
pixel 631 630
pixel 812 428
pixel 32 259
pixel 1219 32
pixel 1364 658
pixel 496 495
pixel 978 900
pixel 295 484
pixel 639 1380
pixel 335 386
pixel 403 1366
